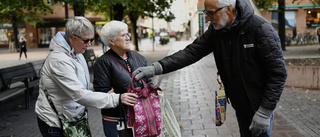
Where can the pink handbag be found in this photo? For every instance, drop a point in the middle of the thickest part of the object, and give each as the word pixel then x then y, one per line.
pixel 145 116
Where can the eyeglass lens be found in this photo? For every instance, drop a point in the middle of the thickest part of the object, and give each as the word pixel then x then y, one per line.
pixel 85 41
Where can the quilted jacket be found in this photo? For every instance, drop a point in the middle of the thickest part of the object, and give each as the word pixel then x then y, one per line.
pixel 109 74
pixel 259 56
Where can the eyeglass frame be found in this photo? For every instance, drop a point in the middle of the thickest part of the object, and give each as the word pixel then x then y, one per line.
pixel 85 41
pixel 126 34
pixel 211 15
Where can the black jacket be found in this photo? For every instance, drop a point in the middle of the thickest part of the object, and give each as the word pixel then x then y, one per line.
pixel 109 74
pixel 259 56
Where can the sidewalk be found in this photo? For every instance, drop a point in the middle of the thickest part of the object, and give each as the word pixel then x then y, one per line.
pixel 191 94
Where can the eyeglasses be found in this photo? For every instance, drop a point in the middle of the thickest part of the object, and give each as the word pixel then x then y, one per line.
pixel 85 41
pixel 126 34
pixel 211 15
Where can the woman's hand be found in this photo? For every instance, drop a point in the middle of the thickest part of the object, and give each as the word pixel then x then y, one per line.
pixel 111 91
pixel 219 79
pixel 129 99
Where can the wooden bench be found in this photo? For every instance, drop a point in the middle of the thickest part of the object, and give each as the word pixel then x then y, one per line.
pixel 34 82
pixel 90 57
pixel 17 80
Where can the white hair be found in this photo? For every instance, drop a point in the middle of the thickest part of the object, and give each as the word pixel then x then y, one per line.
pixel 110 31
pixel 222 3
pixel 78 24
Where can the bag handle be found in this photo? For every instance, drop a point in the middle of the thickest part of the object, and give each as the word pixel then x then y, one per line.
pixel 122 116
pixel 119 64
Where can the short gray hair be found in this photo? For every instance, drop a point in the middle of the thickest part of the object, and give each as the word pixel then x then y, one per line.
pixel 222 3
pixel 110 31
pixel 77 25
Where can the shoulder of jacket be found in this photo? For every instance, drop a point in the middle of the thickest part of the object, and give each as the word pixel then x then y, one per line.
pixel 256 21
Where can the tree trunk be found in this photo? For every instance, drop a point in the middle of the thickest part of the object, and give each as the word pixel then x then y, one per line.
pixel 281 31
pixel 133 20
pixel 79 8
pixel 15 31
pixel 118 12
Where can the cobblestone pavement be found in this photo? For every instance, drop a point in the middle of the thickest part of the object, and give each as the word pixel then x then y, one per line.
pixel 190 91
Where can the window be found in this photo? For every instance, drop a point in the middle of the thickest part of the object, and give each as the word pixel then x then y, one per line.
pixel 289 16
pixel 313 18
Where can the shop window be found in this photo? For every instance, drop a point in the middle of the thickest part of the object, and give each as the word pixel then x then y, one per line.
pixel 46 34
pixel 289 19
pixel 313 18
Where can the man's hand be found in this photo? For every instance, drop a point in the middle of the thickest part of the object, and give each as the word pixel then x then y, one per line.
pixel 149 71
pixel 260 121
pixel 128 99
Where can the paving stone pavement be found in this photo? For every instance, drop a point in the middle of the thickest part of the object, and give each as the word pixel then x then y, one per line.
pixel 191 93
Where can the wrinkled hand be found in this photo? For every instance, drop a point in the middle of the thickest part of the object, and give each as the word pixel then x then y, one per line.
pixel 148 72
pixel 260 121
pixel 129 99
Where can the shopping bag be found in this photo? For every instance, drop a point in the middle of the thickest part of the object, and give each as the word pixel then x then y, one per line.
pixel 145 115
pixel 221 106
pixel 169 123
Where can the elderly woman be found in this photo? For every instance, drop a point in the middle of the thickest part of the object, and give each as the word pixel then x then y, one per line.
pixel 113 69
pixel 64 85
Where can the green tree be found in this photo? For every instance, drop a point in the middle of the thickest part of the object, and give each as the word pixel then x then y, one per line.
pixel 18 11
pixel 78 6
pixel 131 10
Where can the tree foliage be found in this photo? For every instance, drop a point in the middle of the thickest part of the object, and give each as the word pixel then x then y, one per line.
pixel 17 11
pixel 131 10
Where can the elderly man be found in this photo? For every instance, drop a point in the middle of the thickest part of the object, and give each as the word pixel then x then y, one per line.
pixel 249 60
pixel 64 85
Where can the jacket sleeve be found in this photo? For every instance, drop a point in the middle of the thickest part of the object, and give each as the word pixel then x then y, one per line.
pixel 270 54
pixel 63 73
pixel 198 49
pixel 101 81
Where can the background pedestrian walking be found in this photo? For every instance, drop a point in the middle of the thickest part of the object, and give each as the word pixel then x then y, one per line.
pixel 23 46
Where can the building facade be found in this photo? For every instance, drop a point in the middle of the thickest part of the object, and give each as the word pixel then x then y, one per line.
pixel 40 36
pixel 302 14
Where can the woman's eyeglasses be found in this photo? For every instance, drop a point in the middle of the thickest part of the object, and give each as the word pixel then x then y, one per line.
pixel 126 34
pixel 85 41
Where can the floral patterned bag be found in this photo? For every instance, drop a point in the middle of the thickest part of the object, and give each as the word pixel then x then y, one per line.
pixel 79 128
pixel 145 115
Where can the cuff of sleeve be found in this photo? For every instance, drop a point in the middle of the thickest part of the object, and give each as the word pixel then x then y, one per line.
pixel 158 68
pixel 265 111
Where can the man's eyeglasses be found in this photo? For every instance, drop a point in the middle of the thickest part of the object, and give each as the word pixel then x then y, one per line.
pixel 126 34
pixel 85 41
pixel 211 15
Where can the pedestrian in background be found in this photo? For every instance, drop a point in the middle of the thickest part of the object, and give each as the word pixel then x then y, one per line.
pixel 23 46
pixel 12 47
pixel 64 84
pixel 249 59
pixel 294 32
pixel 112 71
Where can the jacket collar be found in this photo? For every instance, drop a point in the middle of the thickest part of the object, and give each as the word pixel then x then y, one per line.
pixel 243 14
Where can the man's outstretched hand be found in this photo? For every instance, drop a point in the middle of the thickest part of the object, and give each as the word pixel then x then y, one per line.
pixel 148 72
